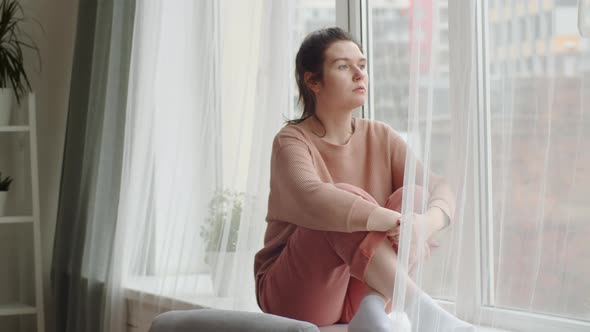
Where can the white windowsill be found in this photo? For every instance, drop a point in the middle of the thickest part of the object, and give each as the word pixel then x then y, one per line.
pixel 191 292
pixel 343 328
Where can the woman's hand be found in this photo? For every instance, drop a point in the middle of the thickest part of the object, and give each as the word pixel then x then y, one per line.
pixel 424 226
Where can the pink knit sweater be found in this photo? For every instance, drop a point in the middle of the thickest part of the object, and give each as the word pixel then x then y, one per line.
pixel 304 169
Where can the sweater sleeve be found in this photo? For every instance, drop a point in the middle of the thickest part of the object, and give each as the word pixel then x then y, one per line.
pixel 299 196
pixel 440 193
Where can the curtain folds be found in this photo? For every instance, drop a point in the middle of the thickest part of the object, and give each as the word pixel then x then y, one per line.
pixel 210 85
pixel 89 193
pixel 493 119
pixel 173 109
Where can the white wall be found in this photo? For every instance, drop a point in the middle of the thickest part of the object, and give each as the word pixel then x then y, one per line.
pixel 52 85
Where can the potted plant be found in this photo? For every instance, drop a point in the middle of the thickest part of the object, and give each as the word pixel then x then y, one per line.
pixel 13 77
pixel 4 186
pixel 225 211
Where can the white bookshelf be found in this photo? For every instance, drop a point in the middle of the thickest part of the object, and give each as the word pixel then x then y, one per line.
pixel 16 220
pixel 15 309
pixel 21 291
pixel 13 129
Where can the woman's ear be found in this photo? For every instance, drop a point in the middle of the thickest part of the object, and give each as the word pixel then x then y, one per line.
pixel 311 82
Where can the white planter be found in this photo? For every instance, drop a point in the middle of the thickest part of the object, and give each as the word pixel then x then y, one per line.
pixel 6 101
pixel 3 195
pixel 221 272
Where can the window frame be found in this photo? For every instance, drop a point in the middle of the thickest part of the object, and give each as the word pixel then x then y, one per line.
pixel 354 17
pixel 477 273
pixel 487 313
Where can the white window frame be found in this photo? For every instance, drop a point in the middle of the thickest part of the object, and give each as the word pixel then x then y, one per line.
pixel 477 278
pixel 485 311
pixel 354 17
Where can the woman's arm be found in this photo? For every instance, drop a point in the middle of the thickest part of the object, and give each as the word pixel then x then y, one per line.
pixel 441 202
pixel 300 197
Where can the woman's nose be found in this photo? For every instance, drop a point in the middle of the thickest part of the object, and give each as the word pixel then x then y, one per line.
pixel 358 76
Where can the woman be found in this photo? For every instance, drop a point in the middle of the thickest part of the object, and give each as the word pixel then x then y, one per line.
pixel 336 183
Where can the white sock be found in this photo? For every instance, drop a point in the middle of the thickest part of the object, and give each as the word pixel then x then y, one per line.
pixel 370 316
pixel 400 321
pixel 433 318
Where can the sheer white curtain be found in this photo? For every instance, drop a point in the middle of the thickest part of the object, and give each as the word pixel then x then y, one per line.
pixel 504 123
pixel 441 118
pixel 498 106
pixel 210 86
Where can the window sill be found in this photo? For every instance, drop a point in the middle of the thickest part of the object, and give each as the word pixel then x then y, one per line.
pixel 190 291
pixel 344 328
pixel 148 296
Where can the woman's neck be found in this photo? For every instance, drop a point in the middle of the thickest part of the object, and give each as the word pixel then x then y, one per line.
pixel 337 126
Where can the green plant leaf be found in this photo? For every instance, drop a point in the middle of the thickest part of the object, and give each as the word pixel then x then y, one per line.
pixel 12 42
pixel 5 183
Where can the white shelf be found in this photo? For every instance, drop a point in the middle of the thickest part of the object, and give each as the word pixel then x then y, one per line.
pixel 14 129
pixel 16 309
pixel 16 220
pixel 28 131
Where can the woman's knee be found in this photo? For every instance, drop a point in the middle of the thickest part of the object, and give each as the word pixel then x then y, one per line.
pixel 356 190
pixel 394 202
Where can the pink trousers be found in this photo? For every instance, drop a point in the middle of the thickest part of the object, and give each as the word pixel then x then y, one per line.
pixel 319 275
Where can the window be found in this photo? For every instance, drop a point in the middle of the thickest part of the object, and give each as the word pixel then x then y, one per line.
pixel 310 15
pixel 528 242
pixel 390 24
pixel 514 240
pixel 545 167
pixel 390 58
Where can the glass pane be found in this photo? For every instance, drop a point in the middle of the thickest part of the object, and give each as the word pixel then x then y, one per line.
pixel 540 88
pixel 310 15
pixel 392 34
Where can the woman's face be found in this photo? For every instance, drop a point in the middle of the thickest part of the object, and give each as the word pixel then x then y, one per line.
pixel 345 80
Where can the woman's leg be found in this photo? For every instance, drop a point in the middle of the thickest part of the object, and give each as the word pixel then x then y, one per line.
pixel 310 279
pixel 427 315
pixel 379 278
pixel 358 289
pixel 319 275
pixel 322 277
pixel 386 253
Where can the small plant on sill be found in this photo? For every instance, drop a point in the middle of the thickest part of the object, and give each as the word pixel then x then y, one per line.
pixel 14 42
pixel 5 182
pixel 225 210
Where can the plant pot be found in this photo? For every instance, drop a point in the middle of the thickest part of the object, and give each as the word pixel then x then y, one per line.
pixel 3 195
pixel 221 272
pixel 6 101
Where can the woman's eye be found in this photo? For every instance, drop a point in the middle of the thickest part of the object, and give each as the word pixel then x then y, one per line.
pixel 343 67
pixel 362 67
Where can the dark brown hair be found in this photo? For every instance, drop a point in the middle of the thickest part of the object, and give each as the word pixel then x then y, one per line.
pixel 310 58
